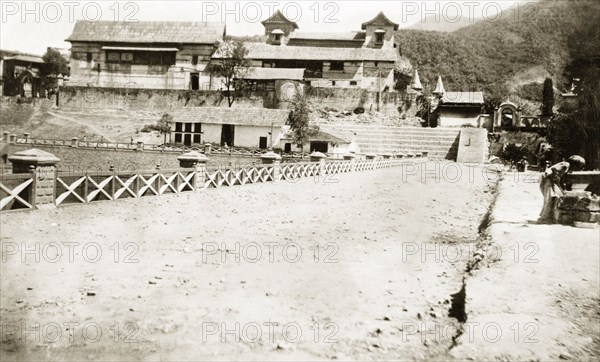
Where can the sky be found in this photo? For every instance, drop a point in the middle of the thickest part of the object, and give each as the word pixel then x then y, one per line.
pixel 32 26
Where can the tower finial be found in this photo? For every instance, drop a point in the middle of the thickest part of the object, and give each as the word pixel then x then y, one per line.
pixel 439 88
pixel 416 84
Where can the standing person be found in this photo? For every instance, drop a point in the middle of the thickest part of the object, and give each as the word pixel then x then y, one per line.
pixel 550 185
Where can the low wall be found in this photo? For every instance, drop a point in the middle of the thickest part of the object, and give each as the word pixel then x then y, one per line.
pixel 86 159
pixel 158 99
pixel 167 99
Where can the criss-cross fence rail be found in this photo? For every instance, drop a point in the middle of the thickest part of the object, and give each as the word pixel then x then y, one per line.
pixel 17 191
pixel 67 188
pixel 85 187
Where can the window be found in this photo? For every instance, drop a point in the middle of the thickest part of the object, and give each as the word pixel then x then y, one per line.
pixel 333 82
pixel 88 57
pixel 113 56
pixel 277 38
pixel 194 59
pixel 376 64
pixel 127 57
pixel 198 127
pixel 178 126
pixel 178 138
pixel 336 66
pixel 188 127
pixel 353 82
pixel 379 38
pixel 196 138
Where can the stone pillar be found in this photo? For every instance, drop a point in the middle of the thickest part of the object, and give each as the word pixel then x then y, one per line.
pixel 6 136
pixel 207 148
pixel 272 158
pixel 317 156
pixel 44 166
pixel 26 135
pixel 13 138
pixel 74 142
pixel 197 161
pixel 140 147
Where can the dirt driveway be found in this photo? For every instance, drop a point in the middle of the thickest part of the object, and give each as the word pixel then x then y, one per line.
pixel 357 266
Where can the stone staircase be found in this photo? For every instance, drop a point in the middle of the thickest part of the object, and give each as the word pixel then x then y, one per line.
pixel 440 143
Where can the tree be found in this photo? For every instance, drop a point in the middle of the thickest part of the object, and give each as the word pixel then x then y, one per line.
pixel 548 98
pixel 230 63
pixel 55 63
pixel 299 119
pixel 164 126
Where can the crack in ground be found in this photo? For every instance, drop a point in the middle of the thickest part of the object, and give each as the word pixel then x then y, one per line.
pixel 458 309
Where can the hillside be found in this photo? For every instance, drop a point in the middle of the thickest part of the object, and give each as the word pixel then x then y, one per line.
pixel 442 23
pixel 511 56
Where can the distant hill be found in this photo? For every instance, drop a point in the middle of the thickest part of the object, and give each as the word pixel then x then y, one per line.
pixel 505 56
pixel 442 24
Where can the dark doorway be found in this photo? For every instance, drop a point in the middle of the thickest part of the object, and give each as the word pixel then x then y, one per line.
pixel 187 140
pixel 195 81
pixel 319 147
pixel 287 148
pixel 262 143
pixel 227 134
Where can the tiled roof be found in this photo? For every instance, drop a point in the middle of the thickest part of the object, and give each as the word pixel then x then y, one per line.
pixel 266 51
pixel 235 116
pixel 346 36
pixel 279 18
pixel 148 32
pixel 26 58
pixel 275 73
pixel 380 19
pixel 462 98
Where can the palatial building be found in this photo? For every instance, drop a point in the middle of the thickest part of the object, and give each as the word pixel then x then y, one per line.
pixel 356 59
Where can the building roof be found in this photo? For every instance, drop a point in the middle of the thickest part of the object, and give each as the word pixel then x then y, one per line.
pixel 266 51
pixel 358 36
pixel 148 32
pixel 462 98
pixel 257 73
pixel 381 20
pixel 326 137
pixel 236 116
pixel 279 18
pixel 16 55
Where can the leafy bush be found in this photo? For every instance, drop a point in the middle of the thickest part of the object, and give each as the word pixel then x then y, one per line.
pixel 514 153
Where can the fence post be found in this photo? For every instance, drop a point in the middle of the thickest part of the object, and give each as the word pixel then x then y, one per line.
pixel 13 138
pixel 75 142
pixel 197 161
pixel 158 179
pixel 6 136
pixel 42 165
pixel 113 182
pixel 350 157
